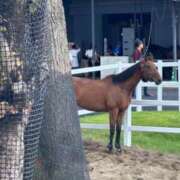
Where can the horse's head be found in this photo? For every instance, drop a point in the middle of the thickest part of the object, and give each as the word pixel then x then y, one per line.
pixel 150 71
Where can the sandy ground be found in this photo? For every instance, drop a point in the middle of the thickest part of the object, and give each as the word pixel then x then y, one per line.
pixel 131 164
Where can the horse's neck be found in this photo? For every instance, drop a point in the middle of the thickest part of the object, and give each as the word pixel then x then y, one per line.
pixel 132 82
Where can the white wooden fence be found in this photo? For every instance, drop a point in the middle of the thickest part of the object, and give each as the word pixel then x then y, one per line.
pixel 138 102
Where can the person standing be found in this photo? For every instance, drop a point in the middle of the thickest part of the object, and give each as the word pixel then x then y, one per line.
pixel 137 56
pixel 89 56
pixel 139 46
pixel 73 56
pixel 92 61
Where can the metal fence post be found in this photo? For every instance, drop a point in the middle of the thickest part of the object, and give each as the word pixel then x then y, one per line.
pixel 160 88
pixel 127 127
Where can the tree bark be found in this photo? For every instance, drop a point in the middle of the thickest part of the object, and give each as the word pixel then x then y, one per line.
pixel 12 147
pixel 14 115
pixel 61 143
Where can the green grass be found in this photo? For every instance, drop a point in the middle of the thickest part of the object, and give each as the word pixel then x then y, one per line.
pixel 164 143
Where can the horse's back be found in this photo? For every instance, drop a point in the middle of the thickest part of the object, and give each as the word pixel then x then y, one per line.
pixel 91 94
pixel 89 86
pixel 90 83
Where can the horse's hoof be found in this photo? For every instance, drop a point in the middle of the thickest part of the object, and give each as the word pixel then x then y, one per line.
pixel 109 147
pixel 118 148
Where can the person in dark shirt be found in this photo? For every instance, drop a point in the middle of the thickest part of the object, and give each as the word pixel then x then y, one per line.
pixel 139 46
pixel 137 56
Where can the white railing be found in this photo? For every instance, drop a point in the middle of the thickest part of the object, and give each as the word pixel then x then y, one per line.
pixel 138 102
pixel 165 84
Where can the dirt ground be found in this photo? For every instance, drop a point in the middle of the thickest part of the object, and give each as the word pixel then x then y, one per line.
pixel 131 164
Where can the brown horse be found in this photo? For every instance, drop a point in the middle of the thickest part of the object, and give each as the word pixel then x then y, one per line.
pixel 113 94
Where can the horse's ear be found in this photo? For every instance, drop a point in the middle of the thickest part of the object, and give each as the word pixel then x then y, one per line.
pixel 149 57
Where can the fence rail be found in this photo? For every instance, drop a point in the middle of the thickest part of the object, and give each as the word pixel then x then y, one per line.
pixel 138 102
pixel 133 128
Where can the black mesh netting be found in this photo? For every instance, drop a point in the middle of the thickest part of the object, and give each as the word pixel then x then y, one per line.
pixel 23 58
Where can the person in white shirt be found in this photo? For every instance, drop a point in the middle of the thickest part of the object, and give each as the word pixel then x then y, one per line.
pixel 89 55
pixel 92 61
pixel 73 56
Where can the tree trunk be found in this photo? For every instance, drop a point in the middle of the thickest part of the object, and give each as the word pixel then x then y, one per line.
pixel 14 114
pixel 61 143
pixel 12 147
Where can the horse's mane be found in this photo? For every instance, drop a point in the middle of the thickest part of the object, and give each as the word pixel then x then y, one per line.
pixel 125 75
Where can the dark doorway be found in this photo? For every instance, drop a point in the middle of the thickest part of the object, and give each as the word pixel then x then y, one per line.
pixel 114 23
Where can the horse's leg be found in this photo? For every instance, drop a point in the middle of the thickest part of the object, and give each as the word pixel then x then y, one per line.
pixel 118 130
pixel 112 120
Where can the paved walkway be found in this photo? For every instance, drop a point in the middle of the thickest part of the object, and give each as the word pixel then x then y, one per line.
pixel 168 94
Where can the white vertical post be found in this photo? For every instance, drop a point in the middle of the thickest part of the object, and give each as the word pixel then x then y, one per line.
pixel 139 95
pixel 178 82
pixel 160 88
pixel 127 120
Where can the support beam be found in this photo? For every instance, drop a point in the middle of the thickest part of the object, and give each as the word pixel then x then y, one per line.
pixel 174 30
pixel 93 33
pixel 93 26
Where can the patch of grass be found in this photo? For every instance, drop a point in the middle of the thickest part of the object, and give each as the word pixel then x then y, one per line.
pixel 164 118
pixel 101 118
pixel 146 118
pixel 96 135
pixel 164 143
